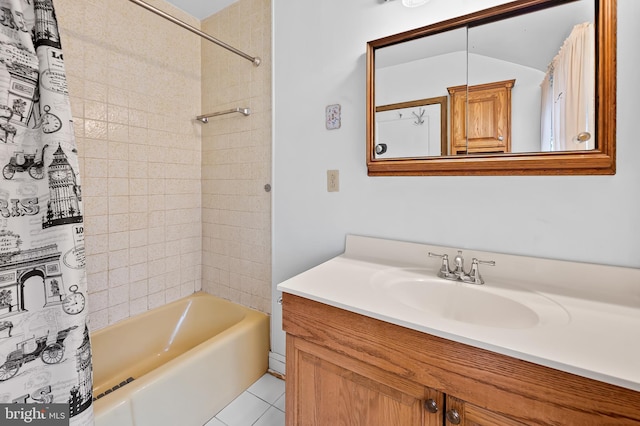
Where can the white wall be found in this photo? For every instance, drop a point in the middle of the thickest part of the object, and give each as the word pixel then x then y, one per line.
pixel 319 59
pixel 424 78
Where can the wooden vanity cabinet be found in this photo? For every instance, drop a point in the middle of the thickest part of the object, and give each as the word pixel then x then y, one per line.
pixel 459 412
pixel 349 369
pixel 481 118
pixel 336 390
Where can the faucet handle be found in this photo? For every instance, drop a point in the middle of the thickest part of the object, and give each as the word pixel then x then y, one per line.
pixel 443 256
pixel 444 268
pixel 474 273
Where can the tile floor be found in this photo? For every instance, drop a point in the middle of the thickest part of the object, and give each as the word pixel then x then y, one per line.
pixel 262 404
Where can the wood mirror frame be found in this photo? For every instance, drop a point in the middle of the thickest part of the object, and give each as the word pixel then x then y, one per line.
pixel 600 161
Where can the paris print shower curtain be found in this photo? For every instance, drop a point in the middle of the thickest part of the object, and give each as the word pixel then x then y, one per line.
pixel 45 355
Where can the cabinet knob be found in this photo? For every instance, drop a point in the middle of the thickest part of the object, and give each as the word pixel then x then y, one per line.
pixel 453 417
pixel 500 138
pixel 431 405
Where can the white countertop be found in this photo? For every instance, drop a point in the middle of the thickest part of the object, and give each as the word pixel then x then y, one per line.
pixel 598 336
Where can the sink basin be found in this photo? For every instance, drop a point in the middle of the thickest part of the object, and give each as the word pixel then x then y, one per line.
pixel 507 307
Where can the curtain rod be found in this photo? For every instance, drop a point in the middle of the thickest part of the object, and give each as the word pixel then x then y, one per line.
pixel 255 60
pixel 205 118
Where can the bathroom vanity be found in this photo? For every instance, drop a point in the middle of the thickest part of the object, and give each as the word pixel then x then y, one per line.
pixel 375 337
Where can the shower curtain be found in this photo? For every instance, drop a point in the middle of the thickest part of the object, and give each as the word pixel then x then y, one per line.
pixel 568 94
pixel 45 354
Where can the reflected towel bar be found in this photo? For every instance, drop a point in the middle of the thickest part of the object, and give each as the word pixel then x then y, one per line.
pixel 255 60
pixel 205 118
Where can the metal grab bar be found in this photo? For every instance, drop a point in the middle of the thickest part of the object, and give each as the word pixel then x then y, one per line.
pixel 205 118
pixel 255 60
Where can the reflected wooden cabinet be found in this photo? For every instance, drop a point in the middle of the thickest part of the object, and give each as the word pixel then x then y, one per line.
pixel 348 369
pixel 483 123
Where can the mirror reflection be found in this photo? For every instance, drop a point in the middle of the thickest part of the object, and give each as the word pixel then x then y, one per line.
pixel 522 84
pixel 408 129
pixel 551 56
pixel 413 70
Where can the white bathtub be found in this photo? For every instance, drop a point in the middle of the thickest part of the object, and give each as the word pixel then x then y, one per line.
pixel 187 360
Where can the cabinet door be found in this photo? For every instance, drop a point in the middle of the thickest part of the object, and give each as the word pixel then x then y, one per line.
pixel 481 118
pixel 325 388
pixel 458 117
pixel 489 119
pixel 463 413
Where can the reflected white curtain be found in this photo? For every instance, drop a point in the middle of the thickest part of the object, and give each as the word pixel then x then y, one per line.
pixel 546 113
pixel 568 94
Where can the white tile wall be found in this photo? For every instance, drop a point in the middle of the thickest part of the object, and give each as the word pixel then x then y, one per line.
pixel 135 86
pixel 236 157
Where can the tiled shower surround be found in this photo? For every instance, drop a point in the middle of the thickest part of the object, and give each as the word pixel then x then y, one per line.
pixel 171 206
pixel 236 157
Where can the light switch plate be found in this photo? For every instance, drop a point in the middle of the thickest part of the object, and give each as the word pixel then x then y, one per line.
pixel 333 117
pixel 333 180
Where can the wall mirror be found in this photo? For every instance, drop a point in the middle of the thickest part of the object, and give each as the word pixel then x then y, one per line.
pixel 527 87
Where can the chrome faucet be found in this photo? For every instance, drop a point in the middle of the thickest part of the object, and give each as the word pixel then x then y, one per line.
pixel 458 273
pixel 458 261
